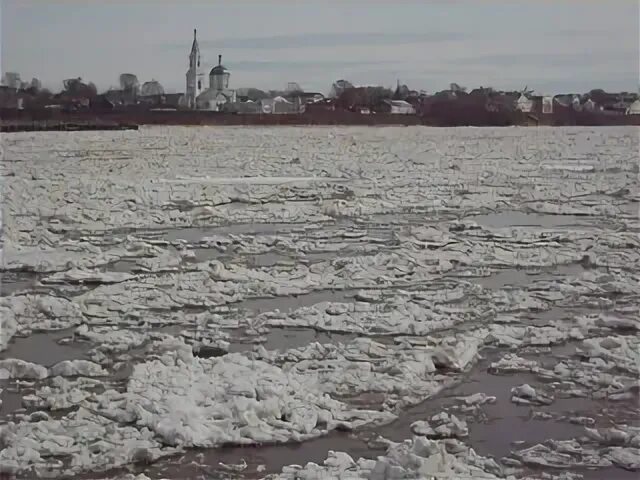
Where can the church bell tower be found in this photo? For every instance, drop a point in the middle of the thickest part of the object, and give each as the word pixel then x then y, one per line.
pixel 195 74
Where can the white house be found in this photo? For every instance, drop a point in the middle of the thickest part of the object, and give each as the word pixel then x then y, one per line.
pixel 634 108
pixel 576 104
pixel 400 107
pixel 589 105
pixel 524 104
pixel 279 105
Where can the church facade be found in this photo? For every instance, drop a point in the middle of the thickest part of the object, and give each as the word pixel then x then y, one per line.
pixel 215 98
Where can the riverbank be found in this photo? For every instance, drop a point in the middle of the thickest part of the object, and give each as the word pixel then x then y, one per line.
pixel 57 126
pixel 15 120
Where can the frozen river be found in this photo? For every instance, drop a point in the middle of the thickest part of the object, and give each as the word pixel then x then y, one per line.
pixel 321 303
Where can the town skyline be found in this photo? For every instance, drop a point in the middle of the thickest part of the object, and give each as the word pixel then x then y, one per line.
pixel 459 42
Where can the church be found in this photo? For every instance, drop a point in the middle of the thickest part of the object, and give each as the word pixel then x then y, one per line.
pixel 218 94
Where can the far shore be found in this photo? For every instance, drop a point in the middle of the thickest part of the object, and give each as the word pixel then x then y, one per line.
pixel 43 120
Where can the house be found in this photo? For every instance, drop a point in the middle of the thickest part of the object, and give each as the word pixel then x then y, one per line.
pixel 589 105
pixel 399 107
pixel 244 108
pixel 634 108
pixel 279 105
pixel 328 104
pixel 120 98
pixel 567 100
pixel 524 104
pixel 304 97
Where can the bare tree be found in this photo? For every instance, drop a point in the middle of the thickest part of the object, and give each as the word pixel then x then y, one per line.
pixel 378 94
pixel 256 94
pixel 363 96
pixel 92 90
pixel 74 87
pixel 36 84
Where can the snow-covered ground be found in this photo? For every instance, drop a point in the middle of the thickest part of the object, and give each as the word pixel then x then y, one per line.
pixel 398 302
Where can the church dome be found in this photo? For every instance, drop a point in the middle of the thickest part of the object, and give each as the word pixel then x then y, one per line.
pixel 219 70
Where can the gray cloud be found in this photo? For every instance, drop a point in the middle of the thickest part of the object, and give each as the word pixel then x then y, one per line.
pixel 547 45
pixel 311 40
pixel 578 32
pixel 550 59
pixel 260 65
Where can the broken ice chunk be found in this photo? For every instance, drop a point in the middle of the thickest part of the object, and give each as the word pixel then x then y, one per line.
pixel 422 428
pixel 72 368
pixel 478 399
pixel 442 425
pixel 19 369
pixel 527 395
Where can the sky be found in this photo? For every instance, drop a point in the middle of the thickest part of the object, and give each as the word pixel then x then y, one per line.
pixel 551 46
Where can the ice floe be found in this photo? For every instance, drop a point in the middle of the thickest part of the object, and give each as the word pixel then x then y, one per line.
pixel 69 368
pixel 441 425
pixel 527 395
pixel 19 369
pixel 410 252
pixel 415 458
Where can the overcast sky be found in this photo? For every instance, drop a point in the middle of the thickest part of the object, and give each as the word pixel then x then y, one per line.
pixel 551 46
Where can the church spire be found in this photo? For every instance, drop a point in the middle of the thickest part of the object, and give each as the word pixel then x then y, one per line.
pixel 195 49
pixel 194 74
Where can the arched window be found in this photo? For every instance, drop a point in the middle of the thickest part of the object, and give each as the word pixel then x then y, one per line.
pixel 198 61
pixel 199 84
